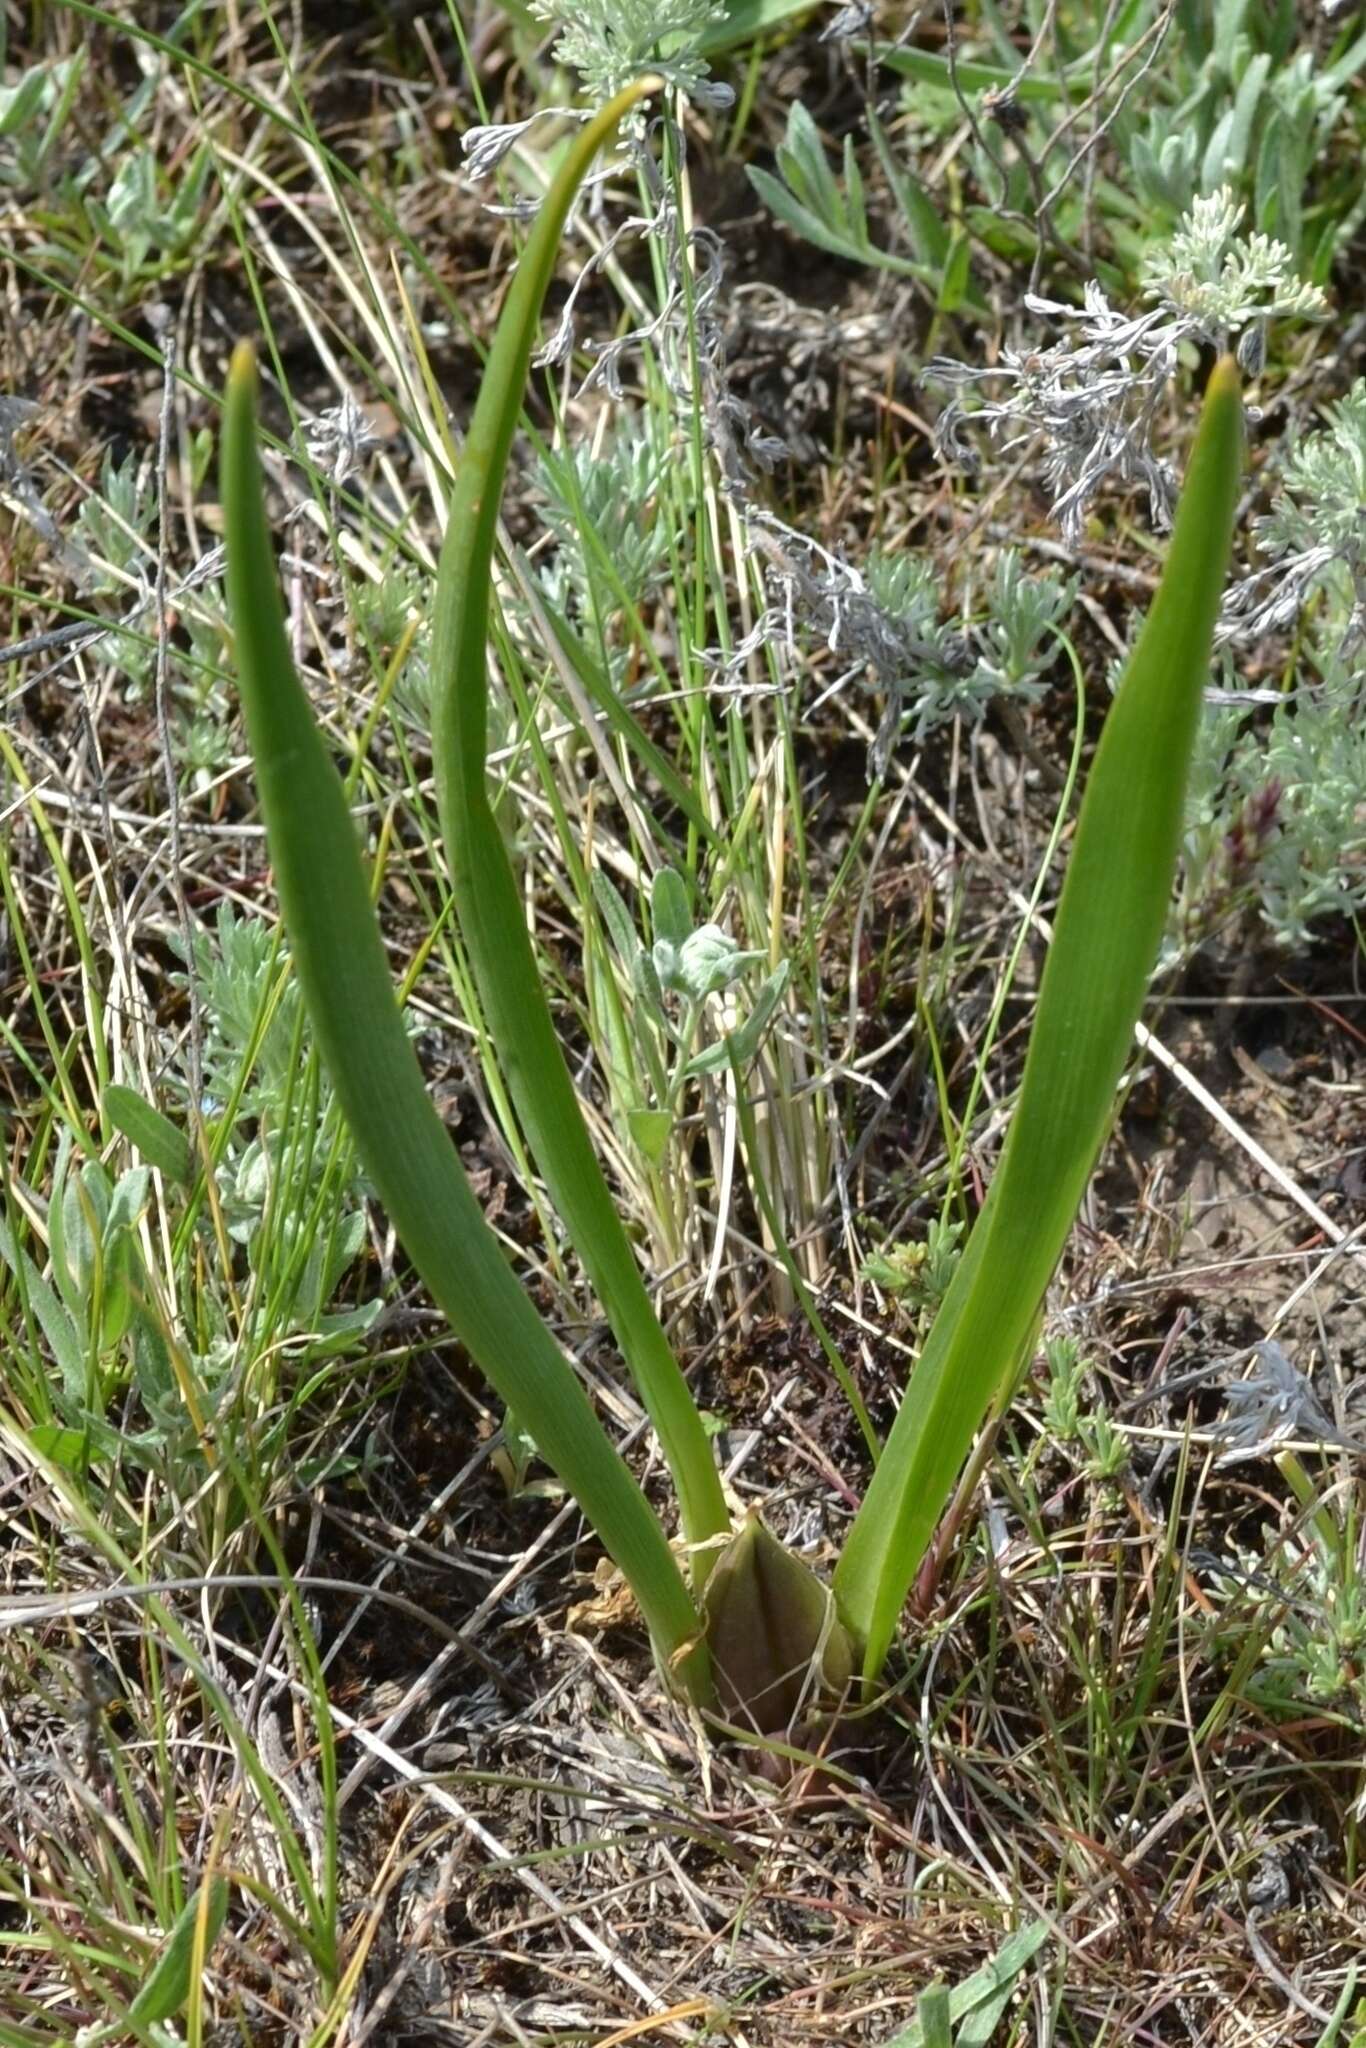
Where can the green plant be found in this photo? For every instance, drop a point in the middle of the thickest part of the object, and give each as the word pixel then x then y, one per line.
pixel 945 674
pixel 1108 924
pixel 1069 1421
pixel 917 1275
pixel 967 2015
pixel 145 222
pixel 610 42
pixel 673 982
pixel 1092 397
pixel 1276 823
pixel 1253 112
pixel 1247 96
pixel 807 197
pixel 33 113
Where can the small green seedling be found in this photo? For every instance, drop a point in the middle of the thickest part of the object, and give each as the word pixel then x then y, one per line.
pixel 967 2015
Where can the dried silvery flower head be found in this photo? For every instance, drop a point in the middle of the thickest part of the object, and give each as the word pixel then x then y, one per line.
pixel 1274 1405
pixel 338 440
pixel 1093 395
pixel 485 147
pixel 1315 534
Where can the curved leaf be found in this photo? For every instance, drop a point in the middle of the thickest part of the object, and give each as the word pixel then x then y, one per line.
pixel 1106 934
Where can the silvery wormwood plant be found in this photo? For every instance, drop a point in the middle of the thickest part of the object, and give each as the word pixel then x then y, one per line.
pixel 1314 537
pixel 611 42
pixel 277 1154
pixel 885 623
pixel 1092 398
pixel 1276 814
pixel 1278 807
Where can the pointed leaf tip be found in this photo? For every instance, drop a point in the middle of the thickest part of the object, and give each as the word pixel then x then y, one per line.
pixel 242 370
pixel 1224 378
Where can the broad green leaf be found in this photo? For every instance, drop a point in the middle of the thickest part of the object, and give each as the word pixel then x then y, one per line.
pixel 64 1339
pixel 784 207
pixel 934 2017
pixel 742 21
pixel 164 1993
pixel 929 236
pixel 343 971
pixel 1226 151
pixel 854 203
pixel 651 1129
pixel 801 159
pixel 808 199
pixel 489 902
pixel 953 285
pixel 930 67
pixel 1109 923
pixel 161 1143
pixel 1346 67
pixel 670 910
pixel 834 238
pixel 69 1448
pixel 618 920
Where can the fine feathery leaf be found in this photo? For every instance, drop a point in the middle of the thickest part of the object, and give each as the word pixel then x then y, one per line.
pixel 1106 935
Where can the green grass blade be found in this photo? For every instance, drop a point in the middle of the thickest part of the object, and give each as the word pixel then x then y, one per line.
pixel 978 2002
pixel 488 902
pixel 1106 935
pixel 339 958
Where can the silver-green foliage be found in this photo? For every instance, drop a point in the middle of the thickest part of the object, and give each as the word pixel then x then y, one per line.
pixel 33 115
pixel 611 42
pixel 395 603
pixel 1315 537
pixel 1223 279
pixel 605 508
pixel 831 212
pixel 99 1321
pixel 941 669
pixel 113 523
pixel 1073 1423
pixel 292 1198
pixel 1277 821
pixel 1250 111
